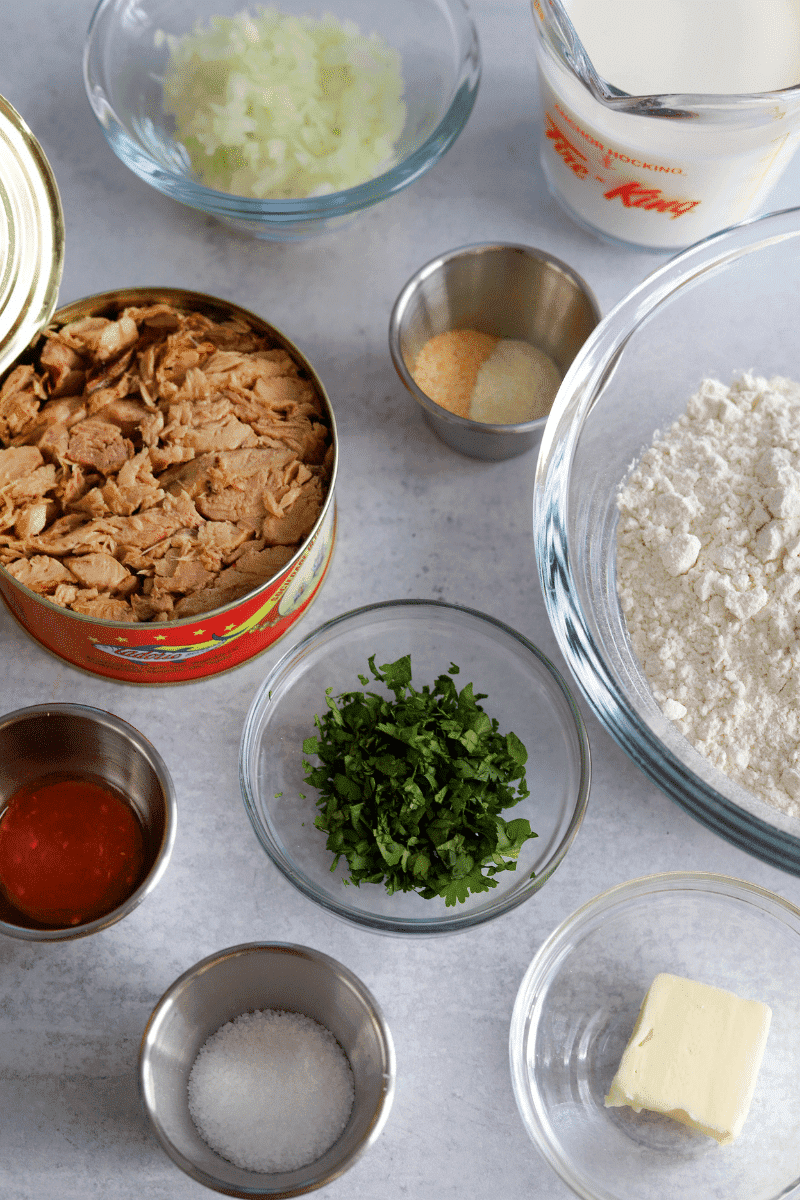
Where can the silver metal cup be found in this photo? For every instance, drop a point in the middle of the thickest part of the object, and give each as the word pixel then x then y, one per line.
pixel 250 978
pixel 499 288
pixel 73 739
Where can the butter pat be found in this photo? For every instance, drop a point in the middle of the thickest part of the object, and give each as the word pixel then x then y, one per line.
pixel 694 1055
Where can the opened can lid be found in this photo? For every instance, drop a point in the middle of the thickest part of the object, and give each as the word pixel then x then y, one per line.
pixel 31 236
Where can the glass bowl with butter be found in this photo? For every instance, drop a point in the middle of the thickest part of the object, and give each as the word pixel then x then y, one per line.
pixel 660 995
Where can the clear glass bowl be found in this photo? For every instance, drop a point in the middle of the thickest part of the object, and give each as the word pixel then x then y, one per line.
pixel 727 304
pixel 577 1006
pixel 123 73
pixel 525 694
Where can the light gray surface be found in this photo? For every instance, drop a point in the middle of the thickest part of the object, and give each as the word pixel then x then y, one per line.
pixel 415 520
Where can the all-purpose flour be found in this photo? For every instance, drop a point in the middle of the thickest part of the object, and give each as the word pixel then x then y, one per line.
pixel 708 565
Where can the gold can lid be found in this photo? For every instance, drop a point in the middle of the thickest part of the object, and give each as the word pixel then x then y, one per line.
pixel 31 236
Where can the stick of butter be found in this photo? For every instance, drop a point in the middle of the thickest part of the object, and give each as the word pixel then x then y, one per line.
pixel 694 1055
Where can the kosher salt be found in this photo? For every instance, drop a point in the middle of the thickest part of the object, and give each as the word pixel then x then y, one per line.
pixel 271 1090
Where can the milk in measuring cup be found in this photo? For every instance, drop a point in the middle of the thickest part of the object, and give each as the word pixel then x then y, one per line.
pixel 723 47
pixel 665 120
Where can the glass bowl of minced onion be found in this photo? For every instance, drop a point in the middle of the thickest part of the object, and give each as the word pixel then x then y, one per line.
pixel 430 781
pixel 281 120
pixel 702 694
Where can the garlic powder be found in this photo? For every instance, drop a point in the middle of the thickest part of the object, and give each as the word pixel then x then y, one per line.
pixel 482 377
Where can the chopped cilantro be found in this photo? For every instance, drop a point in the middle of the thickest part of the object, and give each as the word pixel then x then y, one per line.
pixel 411 789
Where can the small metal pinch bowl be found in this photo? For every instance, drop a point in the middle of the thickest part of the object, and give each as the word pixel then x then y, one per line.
pixel 253 977
pixel 498 288
pixel 79 742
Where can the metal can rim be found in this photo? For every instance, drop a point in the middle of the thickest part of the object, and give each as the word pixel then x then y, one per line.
pixel 31 236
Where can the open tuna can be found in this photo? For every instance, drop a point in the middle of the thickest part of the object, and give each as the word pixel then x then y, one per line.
pixel 167 463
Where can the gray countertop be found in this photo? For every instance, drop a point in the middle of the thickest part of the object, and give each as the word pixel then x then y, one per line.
pixel 415 520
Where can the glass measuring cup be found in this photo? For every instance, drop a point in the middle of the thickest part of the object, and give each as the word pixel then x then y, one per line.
pixel 657 171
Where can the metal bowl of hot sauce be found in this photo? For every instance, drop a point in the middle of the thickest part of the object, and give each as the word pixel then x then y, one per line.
pixel 87 821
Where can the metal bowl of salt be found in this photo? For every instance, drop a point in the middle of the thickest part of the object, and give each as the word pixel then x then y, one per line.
pixel 459 328
pixel 205 1009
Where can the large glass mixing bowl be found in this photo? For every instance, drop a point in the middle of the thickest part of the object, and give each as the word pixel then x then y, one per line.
pixel 725 305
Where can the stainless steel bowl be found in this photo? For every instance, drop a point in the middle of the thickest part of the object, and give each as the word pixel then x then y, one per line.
pixel 250 978
pixel 73 739
pixel 500 288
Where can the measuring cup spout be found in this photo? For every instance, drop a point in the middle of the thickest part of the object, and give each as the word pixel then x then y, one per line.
pixel 657 167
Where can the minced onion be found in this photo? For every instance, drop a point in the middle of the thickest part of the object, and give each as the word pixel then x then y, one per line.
pixel 275 106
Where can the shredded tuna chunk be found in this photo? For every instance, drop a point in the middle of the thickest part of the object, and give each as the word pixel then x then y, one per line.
pixel 103 608
pixel 41 572
pixel 98 444
pixel 99 570
pixel 20 396
pixel 31 519
pixel 157 463
pixel 64 367
pixel 17 462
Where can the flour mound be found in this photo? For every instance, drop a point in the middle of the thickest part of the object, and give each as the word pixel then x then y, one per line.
pixel 708 569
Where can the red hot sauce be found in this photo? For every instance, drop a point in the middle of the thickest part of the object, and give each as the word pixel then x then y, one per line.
pixel 71 850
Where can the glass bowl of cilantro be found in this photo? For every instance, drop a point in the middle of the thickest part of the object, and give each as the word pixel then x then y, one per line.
pixel 415 767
